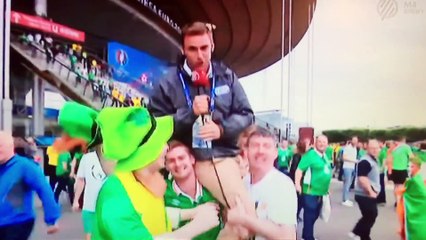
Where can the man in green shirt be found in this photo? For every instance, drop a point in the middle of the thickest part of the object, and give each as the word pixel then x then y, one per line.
pixel 400 156
pixel 185 197
pixel 361 150
pixel 316 171
pixel 63 170
pixel 400 159
pixel 285 153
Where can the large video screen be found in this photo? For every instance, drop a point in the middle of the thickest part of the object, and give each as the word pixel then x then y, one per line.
pixel 136 68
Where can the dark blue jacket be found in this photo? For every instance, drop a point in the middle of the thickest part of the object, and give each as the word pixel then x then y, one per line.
pixel 232 109
pixel 19 178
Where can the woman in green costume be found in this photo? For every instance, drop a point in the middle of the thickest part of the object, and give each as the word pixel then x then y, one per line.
pixel 130 204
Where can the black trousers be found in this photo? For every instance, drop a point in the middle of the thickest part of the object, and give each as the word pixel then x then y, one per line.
pixel 18 231
pixel 381 198
pixel 368 208
pixel 65 183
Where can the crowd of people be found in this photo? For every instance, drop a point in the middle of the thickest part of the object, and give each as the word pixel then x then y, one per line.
pixel 363 167
pixel 97 74
pixel 191 165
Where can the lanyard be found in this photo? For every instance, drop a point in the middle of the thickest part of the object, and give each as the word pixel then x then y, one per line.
pixel 188 95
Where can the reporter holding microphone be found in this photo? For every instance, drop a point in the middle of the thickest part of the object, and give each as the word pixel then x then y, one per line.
pixel 210 110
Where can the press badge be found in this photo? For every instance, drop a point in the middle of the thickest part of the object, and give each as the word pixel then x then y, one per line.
pixel 222 90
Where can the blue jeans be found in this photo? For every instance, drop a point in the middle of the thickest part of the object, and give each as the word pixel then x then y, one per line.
pixel 348 174
pixel 311 207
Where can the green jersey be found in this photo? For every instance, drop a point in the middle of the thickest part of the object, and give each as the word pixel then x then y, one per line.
pixel 284 157
pixel 401 156
pixel 181 201
pixel 64 164
pixel 78 156
pixel 361 153
pixel 318 172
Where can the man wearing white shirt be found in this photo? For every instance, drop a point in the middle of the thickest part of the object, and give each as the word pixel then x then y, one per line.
pixel 90 177
pixel 349 162
pixel 273 192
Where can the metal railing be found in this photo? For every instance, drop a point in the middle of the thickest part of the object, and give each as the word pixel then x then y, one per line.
pixel 62 68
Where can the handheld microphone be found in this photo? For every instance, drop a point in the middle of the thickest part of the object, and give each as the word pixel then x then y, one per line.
pixel 200 79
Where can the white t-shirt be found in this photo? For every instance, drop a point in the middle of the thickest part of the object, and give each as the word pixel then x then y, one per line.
pixel 275 198
pixel 90 169
pixel 349 152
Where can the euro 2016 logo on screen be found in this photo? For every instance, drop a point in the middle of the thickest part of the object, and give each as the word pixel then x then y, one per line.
pixel 121 57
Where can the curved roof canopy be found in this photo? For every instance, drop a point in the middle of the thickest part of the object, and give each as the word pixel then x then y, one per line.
pixel 248 33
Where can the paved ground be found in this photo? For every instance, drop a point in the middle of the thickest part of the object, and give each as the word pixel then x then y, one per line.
pixel 342 221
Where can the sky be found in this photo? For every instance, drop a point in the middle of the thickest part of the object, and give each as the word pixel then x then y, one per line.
pixel 369 68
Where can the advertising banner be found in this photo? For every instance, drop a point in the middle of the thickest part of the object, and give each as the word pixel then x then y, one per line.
pixel 46 26
pixel 136 68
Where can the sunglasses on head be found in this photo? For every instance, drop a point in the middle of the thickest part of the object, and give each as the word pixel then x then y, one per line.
pixel 209 26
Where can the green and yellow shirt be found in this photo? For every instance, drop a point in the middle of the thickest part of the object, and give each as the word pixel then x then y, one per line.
pixel 125 209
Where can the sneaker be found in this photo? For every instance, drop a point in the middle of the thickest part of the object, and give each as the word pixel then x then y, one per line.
pixel 353 236
pixel 348 203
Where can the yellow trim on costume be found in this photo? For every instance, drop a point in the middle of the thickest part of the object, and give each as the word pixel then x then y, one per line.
pixel 152 209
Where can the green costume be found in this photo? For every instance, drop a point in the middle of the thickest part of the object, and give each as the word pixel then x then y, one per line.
pixel 415 208
pixel 125 208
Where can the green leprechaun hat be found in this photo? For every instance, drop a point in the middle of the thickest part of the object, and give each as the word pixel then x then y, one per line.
pixel 78 122
pixel 131 136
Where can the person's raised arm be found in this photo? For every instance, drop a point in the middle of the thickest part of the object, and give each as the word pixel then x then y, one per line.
pixel 304 164
pixel 204 220
pixel 34 178
pixel 281 222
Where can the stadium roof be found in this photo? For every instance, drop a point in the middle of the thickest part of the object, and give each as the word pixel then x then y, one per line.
pixel 248 34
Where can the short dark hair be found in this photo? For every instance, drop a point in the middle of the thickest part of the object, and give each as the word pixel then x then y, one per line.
pixel 246 134
pixel 175 144
pixel 416 160
pixel 197 28
pixel 401 138
pixel 301 147
pixel 261 132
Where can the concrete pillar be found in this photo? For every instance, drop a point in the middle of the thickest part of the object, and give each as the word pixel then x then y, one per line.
pixel 40 7
pixel 5 101
pixel 38 106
